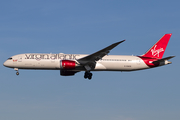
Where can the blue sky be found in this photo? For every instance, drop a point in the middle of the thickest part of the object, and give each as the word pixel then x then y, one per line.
pixel 83 27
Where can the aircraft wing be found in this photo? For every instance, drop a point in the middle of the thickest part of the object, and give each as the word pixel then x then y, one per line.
pixel 90 60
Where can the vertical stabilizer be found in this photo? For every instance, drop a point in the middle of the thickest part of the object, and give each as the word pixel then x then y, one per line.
pixel 158 49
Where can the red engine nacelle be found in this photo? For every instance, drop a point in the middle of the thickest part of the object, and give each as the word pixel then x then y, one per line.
pixel 67 64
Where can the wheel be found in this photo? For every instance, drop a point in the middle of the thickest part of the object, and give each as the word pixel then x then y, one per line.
pixel 17 73
pixel 90 76
pixel 85 76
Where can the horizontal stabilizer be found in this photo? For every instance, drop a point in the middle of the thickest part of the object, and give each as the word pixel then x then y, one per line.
pixel 162 60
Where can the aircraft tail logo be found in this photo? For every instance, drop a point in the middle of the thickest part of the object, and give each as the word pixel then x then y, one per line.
pixel 156 52
pixel 158 49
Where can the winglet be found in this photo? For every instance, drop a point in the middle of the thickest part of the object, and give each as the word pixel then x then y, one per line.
pixel 114 45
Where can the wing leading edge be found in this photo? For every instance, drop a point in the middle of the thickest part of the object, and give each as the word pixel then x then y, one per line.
pixel 90 60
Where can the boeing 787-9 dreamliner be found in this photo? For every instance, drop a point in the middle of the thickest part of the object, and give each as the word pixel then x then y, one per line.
pixel 70 64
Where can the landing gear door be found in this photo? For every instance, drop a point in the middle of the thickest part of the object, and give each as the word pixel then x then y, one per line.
pixel 20 59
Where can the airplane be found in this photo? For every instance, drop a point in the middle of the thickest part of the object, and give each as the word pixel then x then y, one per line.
pixel 70 64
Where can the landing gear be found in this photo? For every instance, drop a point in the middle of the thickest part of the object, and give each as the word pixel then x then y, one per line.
pixel 88 75
pixel 16 69
pixel 17 73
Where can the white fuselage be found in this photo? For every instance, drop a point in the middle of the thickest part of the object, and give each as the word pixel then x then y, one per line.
pixel 70 64
pixel 52 62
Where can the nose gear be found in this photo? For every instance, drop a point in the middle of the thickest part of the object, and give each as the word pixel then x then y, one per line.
pixel 16 69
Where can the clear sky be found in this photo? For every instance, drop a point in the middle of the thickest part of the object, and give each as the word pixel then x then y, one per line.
pixel 84 27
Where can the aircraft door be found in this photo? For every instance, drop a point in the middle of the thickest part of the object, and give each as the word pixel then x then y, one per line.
pixel 138 61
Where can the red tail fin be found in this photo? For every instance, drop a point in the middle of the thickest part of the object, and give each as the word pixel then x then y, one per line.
pixel 158 49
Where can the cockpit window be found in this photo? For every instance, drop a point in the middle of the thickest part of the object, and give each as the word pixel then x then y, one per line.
pixel 9 58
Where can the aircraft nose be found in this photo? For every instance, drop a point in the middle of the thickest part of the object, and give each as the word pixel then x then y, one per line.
pixel 5 64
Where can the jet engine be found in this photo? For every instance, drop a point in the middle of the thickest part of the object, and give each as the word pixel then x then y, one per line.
pixel 67 64
pixel 67 73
